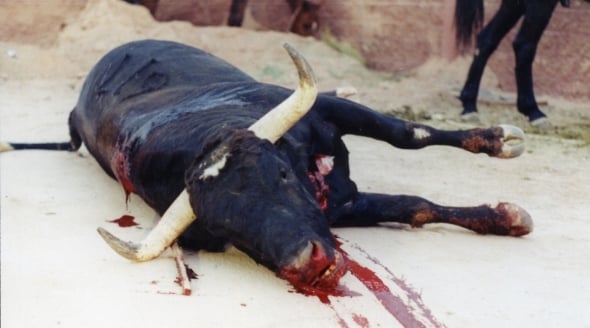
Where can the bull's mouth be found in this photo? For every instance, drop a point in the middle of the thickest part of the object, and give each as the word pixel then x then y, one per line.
pixel 314 272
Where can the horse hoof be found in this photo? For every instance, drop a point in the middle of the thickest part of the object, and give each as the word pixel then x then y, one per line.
pixel 471 117
pixel 542 124
pixel 512 141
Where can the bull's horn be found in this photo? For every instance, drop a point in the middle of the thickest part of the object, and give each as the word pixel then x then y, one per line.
pixel 174 221
pixel 280 119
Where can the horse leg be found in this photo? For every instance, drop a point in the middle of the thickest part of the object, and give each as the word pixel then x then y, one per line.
pixel 369 209
pixel 487 42
pixel 536 18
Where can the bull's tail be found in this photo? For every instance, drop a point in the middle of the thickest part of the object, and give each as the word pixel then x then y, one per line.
pixel 6 146
pixel 468 19
pixel 74 144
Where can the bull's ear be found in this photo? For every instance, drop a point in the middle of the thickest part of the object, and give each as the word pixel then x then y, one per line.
pixel 174 221
pixel 280 119
pixel 211 160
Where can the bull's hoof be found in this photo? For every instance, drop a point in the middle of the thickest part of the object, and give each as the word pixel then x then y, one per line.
pixel 512 141
pixel 519 222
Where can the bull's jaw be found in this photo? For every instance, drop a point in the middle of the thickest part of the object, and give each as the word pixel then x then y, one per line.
pixel 313 272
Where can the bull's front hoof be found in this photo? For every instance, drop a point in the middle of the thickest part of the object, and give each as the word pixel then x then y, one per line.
pixel 518 220
pixel 512 141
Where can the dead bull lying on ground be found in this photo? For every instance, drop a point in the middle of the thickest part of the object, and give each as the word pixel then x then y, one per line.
pixel 229 160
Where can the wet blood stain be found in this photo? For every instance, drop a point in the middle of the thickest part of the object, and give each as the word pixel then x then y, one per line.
pixel 360 320
pixel 120 167
pixel 392 303
pixel 395 305
pixel 125 221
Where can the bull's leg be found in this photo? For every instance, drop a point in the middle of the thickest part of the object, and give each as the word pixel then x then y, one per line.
pixel 487 42
pixel 536 18
pixel 504 141
pixel 369 209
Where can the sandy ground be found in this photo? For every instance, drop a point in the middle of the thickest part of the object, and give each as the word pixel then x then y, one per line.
pixel 56 271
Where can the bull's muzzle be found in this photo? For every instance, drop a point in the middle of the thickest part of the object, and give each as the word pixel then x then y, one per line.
pixel 314 270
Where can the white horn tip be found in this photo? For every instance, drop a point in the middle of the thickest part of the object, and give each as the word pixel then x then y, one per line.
pixel 274 124
pixel 126 249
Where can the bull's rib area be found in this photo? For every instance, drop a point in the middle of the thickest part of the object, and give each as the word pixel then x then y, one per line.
pixel 127 78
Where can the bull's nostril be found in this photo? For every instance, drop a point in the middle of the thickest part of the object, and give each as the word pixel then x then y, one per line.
pixel 318 253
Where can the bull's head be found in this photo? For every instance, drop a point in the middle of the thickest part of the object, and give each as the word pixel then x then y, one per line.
pixel 242 188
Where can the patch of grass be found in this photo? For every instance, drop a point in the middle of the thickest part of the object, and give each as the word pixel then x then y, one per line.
pixel 273 72
pixel 406 112
pixel 341 46
pixel 576 131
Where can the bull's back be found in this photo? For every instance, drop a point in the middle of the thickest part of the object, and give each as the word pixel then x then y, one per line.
pixel 144 76
pixel 141 67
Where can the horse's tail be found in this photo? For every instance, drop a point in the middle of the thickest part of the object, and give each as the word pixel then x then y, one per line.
pixel 468 19
pixel 9 146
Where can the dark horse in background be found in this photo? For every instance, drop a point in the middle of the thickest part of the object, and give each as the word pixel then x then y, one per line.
pixel 469 18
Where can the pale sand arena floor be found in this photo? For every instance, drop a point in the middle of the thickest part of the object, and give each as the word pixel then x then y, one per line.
pixel 57 272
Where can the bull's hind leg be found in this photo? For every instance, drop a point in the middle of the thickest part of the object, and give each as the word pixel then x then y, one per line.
pixel 370 209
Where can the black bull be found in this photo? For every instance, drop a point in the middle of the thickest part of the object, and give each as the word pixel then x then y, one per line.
pixel 166 119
